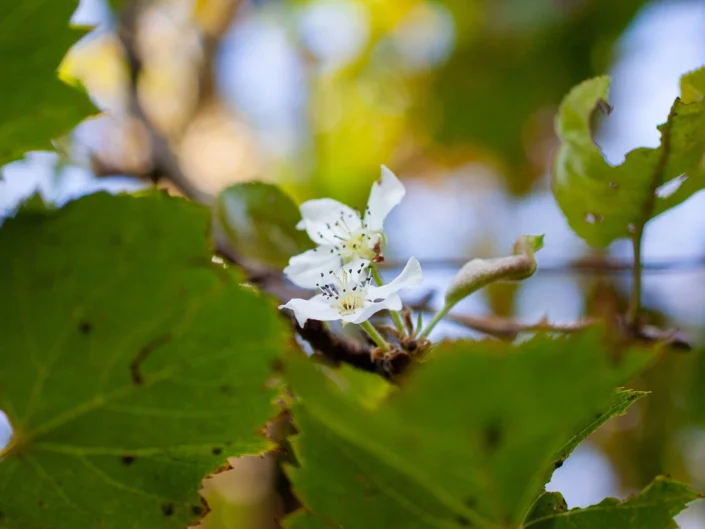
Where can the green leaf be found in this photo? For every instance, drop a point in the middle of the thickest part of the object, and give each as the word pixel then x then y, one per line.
pixel 305 520
pixel 693 86
pixel 654 508
pixel 603 203
pixel 479 273
pixel 492 95
pixel 621 400
pixel 470 438
pixel 548 504
pixel 116 5
pixel 130 364
pixel 36 106
pixel 260 221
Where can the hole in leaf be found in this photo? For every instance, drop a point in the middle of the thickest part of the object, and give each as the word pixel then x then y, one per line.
pixel 5 430
pixel 667 189
pixel 593 218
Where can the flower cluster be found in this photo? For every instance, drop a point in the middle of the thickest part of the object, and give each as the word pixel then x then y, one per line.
pixel 341 267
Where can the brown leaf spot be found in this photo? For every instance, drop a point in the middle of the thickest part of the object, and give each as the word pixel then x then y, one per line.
pixel 141 356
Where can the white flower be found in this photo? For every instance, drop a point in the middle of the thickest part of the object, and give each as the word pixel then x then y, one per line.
pixel 348 295
pixel 342 233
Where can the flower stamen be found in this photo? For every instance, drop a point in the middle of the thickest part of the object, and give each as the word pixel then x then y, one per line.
pixel 347 292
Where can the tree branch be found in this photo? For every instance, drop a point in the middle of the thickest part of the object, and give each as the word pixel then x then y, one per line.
pixel 504 328
pixel 333 347
pixel 585 265
pixel 165 162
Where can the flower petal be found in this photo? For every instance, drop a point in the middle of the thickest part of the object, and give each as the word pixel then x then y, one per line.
pixel 315 308
pixel 305 269
pixel 320 216
pixel 392 302
pixel 386 193
pixel 410 277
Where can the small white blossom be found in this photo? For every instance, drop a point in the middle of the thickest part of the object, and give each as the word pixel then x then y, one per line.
pixel 348 295
pixel 343 234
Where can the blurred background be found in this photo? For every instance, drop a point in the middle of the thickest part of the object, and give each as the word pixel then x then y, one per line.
pixel 458 98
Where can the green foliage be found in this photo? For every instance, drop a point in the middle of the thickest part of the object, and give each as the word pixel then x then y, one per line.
pixel 693 86
pixel 305 520
pixel 513 63
pixel 603 203
pixel 260 220
pixel 547 505
pixel 130 364
pixel 470 438
pixel 116 5
pixel 36 106
pixel 654 508
pixel 621 400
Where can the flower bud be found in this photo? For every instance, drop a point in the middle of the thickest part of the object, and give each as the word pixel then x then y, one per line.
pixel 481 272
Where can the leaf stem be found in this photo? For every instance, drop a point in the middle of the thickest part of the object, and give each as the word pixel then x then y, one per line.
pixel 395 315
pixel 648 210
pixel 375 335
pixel 635 299
pixel 438 317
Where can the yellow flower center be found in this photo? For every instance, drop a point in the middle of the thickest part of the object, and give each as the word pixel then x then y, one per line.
pixel 349 302
pixel 359 245
pixel 347 292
